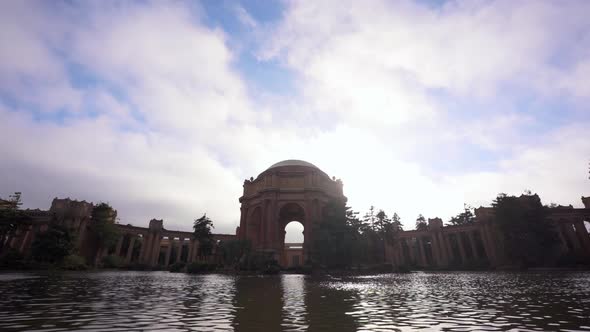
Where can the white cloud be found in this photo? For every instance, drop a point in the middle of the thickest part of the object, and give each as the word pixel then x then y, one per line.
pixel 174 131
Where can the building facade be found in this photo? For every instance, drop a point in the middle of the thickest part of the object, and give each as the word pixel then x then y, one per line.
pixel 291 190
pixel 480 243
pixel 152 246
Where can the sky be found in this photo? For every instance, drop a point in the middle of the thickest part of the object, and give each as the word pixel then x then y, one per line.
pixel 163 108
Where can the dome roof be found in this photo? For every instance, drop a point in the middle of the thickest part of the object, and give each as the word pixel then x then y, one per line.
pixel 293 162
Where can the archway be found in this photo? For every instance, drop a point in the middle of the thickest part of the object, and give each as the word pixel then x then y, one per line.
pixel 291 190
pixel 292 217
pixel 293 246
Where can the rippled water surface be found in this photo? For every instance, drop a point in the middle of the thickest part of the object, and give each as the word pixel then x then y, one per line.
pixel 117 301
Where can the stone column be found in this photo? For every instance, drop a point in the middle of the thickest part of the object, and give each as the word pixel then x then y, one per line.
pixel 423 260
pixel 196 251
pixel 473 245
pixel 434 247
pixel 450 252
pixel 82 232
pixel 442 249
pixel 26 238
pixel 564 247
pixel 461 248
pixel 490 244
pixel 145 244
pixel 411 251
pixel 119 245
pixel 179 251
pixel 400 253
pixel 155 254
pixel 130 250
pixel 189 251
pixel 265 224
pixel 243 223
pixel 168 252
pixel 583 235
pixel 571 235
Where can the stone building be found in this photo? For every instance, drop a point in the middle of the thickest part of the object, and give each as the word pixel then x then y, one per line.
pixel 480 243
pixel 151 246
pixel 290 190
pixel 295 190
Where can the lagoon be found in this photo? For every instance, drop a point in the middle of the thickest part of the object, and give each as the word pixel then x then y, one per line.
pixel 454 301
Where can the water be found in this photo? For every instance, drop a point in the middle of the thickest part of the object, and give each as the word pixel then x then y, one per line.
pixel 123 301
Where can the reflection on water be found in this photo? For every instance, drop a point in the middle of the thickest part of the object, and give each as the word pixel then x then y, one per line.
pixel 160 300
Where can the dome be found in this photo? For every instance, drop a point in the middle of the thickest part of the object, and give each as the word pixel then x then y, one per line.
pixel 293 162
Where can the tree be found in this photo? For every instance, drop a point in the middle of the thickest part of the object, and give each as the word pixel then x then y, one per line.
pixel 465 217
pixel 333 240
pixel 233 251
pixel 421 224
pixel 53 245
pixel 102 226
pixel 202 231
pixel 369 218
pixel 10 216
pixel 382 223
pixel 529 237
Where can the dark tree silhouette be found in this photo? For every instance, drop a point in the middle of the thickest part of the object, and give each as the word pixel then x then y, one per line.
pixel 202 231
pixel 421 224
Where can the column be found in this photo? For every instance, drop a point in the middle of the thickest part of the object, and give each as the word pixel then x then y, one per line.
pixel 491 244
pixel 421 251
pixel 473 245
pixel 155 254
pixel 443 249
pixel 82 232
pixel 411 251
pixel 449 247
pixel 145 243
pixel 196 251
pixel 400 253
pixel 168 252
pixel 26 238
pixel 119 245
pixel 189 256
pixel 571 235
pixel 461 248
pixel 130 250
pixel 179 251
pixel 435 250
pixel 583 235
pixel 564 247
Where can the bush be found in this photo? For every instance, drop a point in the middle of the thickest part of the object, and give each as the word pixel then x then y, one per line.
pixel 112 262
pixel 74 263
pixel 139 267
pixel 176 267
pixel 53 245
pixel 197 267
pixel 12 259
pixel 272 269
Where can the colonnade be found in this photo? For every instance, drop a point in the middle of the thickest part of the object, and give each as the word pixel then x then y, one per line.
pixel 155 249
pixel 446 247
pixel 478 243
pixel 574 235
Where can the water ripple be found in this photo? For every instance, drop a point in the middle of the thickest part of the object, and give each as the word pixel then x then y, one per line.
pixel 124 301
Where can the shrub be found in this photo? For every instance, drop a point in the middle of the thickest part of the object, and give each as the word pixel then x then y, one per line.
pixel 12 259
pixel 52 245
pixel 176 267
pixel 200 267
pixel 112 262
pixel 139 267
pixel 74 263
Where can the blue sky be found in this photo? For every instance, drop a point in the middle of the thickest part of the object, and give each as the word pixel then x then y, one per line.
pixel 163 108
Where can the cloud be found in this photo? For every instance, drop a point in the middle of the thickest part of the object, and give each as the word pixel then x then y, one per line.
pixel 417 109
pixel 244 17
